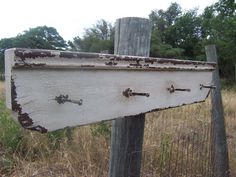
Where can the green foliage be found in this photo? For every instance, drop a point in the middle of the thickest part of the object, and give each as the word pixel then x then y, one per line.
pixel 56 138
pixel 228 85
pixel 219 27
pixel 185 34
pixel 161 19
pixel 162 27
pixel 188 32
pixel 101 129
pixel 41 37
pixel 10 132
pixel 175 34
pixel 98 39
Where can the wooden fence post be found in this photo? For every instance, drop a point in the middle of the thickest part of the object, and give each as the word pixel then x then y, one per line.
pixel 220 150
pixel 132 37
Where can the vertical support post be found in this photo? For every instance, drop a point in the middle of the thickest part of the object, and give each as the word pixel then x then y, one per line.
pixel 132 37
pixel 220 149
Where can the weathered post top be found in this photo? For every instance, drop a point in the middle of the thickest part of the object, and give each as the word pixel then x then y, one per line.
pixel 49 90
pixel 132 37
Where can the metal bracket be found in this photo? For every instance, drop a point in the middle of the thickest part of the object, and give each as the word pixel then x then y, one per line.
pixel 61 99
pixel 172 89
pixel 128 92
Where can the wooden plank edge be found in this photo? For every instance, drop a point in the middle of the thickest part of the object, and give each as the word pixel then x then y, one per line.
pixel 41 53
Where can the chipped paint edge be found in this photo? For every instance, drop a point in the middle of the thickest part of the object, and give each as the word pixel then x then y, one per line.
pixel 25 120
pixel 23 117
pixel 109 59
pixel 92 67
pixel 11 95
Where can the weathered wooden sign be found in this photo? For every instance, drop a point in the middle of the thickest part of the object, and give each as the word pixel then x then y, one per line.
pixel 49 90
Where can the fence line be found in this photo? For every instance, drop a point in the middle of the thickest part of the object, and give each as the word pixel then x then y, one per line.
pixel 182 142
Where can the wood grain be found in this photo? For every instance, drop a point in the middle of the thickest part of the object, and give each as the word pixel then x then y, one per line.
pixel 34 79
pixel 220 149
pixel 132 37
pixel 101 92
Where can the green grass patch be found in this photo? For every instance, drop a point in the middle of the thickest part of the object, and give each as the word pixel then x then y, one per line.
pixel 229 85
pixel 10 131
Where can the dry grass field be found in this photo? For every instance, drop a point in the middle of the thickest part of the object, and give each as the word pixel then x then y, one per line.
pixel 176 142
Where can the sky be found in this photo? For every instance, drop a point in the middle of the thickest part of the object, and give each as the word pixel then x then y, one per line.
pixel 71 17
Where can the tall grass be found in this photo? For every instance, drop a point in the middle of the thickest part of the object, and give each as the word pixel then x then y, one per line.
pixel 176 143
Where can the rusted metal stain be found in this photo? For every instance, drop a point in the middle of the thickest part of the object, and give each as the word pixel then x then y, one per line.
pixel 34 53
pixel 29 53
pixel 78 55
pixel 29 65
pixel 170 107
pixel 61 99
pixel 23 118
pixel 185 62
pixel 111 63
pixel 137 64
pixel 207 86
pixel 123 67
pixel 152 60
pixel 172 89
pixel 128 93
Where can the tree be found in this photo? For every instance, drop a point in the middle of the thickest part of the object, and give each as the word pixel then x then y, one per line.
pixel 161 49
pixel 41 37
pixel 219 27
pixel 187 31
pixel 163 41
pixel 98 38
pixel 184 34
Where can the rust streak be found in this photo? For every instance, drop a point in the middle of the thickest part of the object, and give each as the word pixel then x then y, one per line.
pixel 111 63
pixel 160 109
pixel 29 65
pixel 185 62
pixel 23 118
pixel 34 53
pixel 29 53
pixel 122 67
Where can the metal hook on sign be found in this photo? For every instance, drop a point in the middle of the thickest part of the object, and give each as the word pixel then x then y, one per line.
pixel 172 89
pixel 61 99
pixel 128 92
pixel 207 86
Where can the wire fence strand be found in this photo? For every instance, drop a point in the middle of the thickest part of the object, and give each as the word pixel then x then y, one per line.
pixel 183 143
